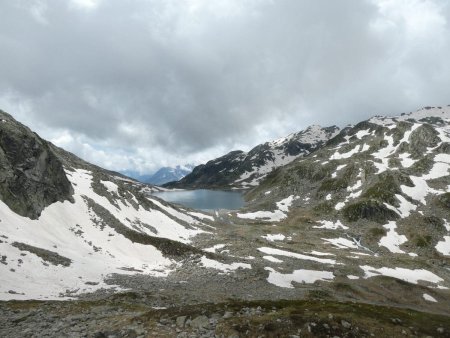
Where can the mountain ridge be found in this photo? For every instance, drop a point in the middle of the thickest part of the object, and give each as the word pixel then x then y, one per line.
pixel 162 175
pixel 243 170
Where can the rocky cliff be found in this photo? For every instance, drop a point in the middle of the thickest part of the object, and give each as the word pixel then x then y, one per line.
pixel 31 175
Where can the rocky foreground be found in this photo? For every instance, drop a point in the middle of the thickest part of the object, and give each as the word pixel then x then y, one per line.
pixel 128 315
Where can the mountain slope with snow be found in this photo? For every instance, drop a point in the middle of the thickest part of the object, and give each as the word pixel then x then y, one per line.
pixel 105 224
pixel 162 175
pixel 380 189
pixel 169 174
pixel 242 170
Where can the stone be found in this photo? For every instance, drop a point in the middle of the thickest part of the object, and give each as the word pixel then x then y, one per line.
pixel 200 322
pixel 228 314
pixel 346 324
pixel 396 320
pixel 181 320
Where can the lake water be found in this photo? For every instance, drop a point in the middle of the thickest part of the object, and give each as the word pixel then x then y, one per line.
pixel 203 199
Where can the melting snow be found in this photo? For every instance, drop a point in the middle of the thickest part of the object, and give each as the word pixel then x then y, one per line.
pixel 274 237
pixel 278 252
pixel 203 216
pixel 318 253
pixel 272 259
pixel 70 230
pixel 339 167
pixel 420 189
pixel 406 161
pixel 365 147
pixel 110 186
pixel 215 248
pixel 429 298
pixel 360 134
pixel 299 276
pixel 225 268
pixel 352 277
pixel 339 205
pixel 330 225
pixel 408 275
pixel 392 240
pixel 339 156
pixel 341 243
pixel 444 246
pixel 272 216
pixel 286 203
pixel 181 216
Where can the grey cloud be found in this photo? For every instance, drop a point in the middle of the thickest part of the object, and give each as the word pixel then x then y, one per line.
pixel 158 82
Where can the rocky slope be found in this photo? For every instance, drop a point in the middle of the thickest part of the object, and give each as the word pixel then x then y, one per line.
pixel 241 170
pixel 376 197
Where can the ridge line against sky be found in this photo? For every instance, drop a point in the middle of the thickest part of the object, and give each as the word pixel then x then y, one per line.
pixel 143 84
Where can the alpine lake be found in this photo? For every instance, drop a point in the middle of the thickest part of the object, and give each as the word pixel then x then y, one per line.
pixel 204 199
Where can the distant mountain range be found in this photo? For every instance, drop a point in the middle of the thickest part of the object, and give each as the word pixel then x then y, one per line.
pixel 163 175
pixel 242 170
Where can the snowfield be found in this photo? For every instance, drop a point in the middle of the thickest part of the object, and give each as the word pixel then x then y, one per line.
pixel 72 231
pixel 300 276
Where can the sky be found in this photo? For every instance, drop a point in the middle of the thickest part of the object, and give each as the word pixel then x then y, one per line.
pixel 141 84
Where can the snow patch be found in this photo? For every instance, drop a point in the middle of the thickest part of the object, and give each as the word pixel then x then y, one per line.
pixel 225 268
pixel 274 237
pixel 352 277
pixel 339 156
pixel 214 248
pixel 272 216
pixel 444 246
pixel 202 216
pixel 392 240
pixel 408 275
pixel 341 243
pixel 110 186
pixel 299 276
pixel 330 225
pixel 429 298
pixel 272 259
pixel 278 252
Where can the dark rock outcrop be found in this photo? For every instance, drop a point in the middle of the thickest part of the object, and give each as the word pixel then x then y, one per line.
pixel 31 175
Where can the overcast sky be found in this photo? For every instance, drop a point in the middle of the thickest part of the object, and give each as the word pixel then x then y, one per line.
pixel 141 84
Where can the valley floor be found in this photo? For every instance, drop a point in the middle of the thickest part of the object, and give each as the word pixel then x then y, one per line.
pixel 224 297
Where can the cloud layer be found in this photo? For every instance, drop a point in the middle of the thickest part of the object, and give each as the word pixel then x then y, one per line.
pixel 144 83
